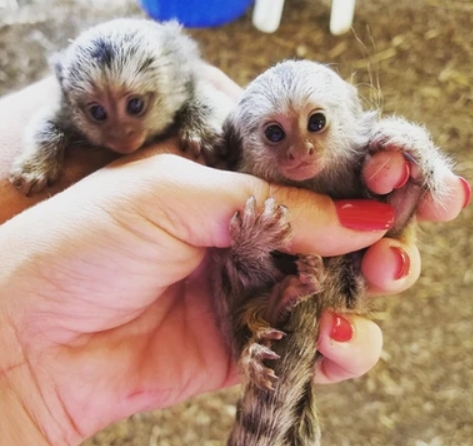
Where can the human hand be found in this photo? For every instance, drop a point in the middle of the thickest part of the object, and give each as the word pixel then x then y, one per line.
pixel 113 312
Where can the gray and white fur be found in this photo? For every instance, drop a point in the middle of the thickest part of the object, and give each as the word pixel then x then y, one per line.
pixel 300 124
pixel 120 85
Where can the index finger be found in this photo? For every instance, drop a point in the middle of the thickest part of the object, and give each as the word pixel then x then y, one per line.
pixel 195 203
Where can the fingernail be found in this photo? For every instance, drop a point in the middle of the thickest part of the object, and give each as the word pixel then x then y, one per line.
pixel 405 176
pixel 403 263
pixel 364 215
pixel 467 189
pixel 342 329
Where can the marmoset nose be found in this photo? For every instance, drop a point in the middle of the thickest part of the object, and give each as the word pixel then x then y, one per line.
pixel 129 131
pixel 309 149
pixel 301 152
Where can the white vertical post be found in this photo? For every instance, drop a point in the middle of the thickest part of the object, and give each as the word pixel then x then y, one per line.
pixel 267 15
pixel 341 16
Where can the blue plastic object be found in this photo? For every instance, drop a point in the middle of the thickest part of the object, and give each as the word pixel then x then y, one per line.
pixel 196 13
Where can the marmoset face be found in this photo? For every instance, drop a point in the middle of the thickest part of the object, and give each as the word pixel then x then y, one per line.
pixel 124 81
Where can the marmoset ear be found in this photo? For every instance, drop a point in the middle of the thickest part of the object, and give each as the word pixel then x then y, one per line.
pixel 232 144
pixel 56 66
pixel 356 105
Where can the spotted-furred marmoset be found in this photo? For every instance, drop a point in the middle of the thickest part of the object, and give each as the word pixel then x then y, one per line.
pixel 121 84
pixel 301 124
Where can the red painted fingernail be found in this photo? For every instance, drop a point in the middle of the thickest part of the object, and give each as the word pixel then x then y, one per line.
pixel 364 215
pixel 403 263
pixel 467 189
pixel 405 176
pixel 342 329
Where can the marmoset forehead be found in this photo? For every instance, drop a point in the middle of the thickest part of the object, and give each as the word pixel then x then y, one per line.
pixel 103 62
pixel 296 84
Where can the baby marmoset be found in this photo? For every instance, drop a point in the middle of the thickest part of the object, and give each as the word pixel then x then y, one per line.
pixel 300 124
pixel 121 84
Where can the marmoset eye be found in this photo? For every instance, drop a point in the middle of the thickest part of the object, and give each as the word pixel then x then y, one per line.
pixel 274 133
pixel 135 106
pixel 97 112
pixel 317 122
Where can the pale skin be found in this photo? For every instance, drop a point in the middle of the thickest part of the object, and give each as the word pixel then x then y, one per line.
pixel 105 308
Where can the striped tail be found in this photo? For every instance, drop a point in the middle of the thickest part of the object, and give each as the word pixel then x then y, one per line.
pixel 285 416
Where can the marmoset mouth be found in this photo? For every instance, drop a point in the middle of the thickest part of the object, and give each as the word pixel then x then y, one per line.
pixel 125 146
pixel 301 171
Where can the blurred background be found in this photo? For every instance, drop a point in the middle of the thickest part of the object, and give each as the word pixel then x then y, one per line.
pixel 412 58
